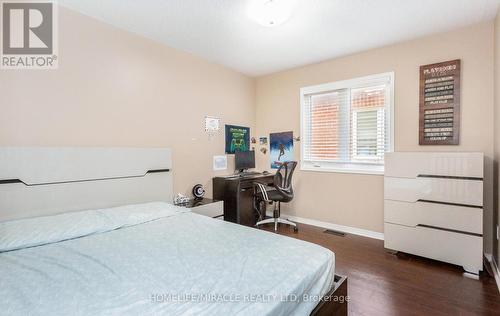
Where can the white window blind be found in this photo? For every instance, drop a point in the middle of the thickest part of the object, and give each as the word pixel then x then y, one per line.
pixel 346 126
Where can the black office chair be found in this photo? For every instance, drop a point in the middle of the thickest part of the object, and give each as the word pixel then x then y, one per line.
pixel 282 191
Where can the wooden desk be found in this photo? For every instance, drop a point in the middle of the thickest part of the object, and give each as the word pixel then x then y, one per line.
pixel 237 194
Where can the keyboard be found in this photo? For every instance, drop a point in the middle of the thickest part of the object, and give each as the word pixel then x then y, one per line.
pixel 245 174
pixel 249 173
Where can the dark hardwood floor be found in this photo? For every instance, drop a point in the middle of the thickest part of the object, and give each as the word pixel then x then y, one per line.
pixel 380 283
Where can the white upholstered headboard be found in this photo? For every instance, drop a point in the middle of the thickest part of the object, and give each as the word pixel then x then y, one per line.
pixel 37 181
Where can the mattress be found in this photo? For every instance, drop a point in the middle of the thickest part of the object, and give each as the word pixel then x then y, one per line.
pixel 156 259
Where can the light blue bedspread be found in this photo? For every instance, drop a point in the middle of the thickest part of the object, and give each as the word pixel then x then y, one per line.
pixel 155 259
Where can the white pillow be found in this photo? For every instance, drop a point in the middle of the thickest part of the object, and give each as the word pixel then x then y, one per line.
pixel 37 231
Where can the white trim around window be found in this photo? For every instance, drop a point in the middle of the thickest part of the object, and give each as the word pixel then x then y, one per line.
pixel 351 164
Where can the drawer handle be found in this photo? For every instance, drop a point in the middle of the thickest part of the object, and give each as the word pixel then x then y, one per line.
pixel 449 203
pixel 450 230
pixel 449 177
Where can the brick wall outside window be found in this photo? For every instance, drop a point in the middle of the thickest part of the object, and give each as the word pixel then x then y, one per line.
pixel 325 137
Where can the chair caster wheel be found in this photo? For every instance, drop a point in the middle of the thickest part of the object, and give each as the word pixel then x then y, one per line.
pixel 295 229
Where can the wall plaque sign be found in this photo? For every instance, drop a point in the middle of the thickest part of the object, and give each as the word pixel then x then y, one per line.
pixel 439 122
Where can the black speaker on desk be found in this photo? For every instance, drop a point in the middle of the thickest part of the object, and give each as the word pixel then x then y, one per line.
pixel 198 191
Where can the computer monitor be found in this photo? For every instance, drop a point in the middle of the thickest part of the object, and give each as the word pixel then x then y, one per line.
pixel 244 160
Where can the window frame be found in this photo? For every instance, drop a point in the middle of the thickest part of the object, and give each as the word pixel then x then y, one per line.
pixel 360 82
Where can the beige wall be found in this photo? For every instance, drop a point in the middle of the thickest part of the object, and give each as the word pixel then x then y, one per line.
pixel 114 88
pixel 357 200
pixel 496 215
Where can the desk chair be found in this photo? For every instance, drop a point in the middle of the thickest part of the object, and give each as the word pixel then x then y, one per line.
pixel 281 192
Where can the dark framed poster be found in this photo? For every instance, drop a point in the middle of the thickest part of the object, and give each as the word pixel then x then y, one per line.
pixel 439 122
pixel 237 138
pixel 281 148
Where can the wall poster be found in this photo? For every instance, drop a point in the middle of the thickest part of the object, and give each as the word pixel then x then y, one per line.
pixel 220 162
pixel 439 122
pixel 281 148
pixel 237 138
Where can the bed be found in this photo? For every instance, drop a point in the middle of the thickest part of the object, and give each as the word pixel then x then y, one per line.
pixel 61 255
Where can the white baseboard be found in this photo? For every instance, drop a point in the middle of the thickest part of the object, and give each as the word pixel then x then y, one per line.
pixel 494 267
pixel 327 225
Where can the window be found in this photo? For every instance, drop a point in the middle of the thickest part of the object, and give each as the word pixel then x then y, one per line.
pixel 346 126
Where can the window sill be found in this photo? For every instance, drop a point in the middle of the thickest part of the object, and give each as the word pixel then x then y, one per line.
pixel 363 169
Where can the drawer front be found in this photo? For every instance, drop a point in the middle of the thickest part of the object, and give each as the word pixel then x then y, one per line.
pixel 413 164
pixel 460 218
pixel 457 191
pixel 211 209
pixel 461 249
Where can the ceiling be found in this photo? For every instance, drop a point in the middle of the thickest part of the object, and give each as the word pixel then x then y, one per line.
pixel 221 31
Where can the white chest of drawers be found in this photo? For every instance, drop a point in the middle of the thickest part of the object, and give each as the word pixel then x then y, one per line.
pixel 433 206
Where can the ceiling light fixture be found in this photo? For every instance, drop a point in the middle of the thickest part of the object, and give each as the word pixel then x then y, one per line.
pixel 270 12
